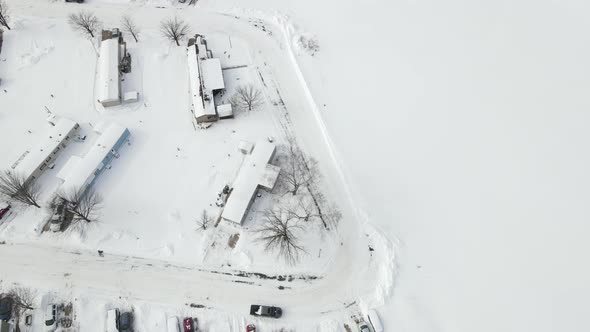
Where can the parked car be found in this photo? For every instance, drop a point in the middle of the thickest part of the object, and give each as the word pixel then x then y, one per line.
pixel 50 317
pixel 374 321
pixel 364 326
pixel 4 210
pixel 78 1
pixel 265 311
pixel 251 328
pixel 188 324
pixel 125 322
pixel 173 324
pixel 5 308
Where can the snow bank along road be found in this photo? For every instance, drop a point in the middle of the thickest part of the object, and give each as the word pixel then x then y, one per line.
pixel 353 276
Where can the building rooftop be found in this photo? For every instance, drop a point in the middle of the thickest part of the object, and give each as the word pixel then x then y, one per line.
pixel 254 172
pixel 108 71
pixel 49 142
pixel 200 107
pixel 225 110
pixel 212 74
pixel 79 172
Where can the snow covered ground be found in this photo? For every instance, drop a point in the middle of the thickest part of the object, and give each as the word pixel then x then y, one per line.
pixel 169 172
pixel 459 129
pixel 461 126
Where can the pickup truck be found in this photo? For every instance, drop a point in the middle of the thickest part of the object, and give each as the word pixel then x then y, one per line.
pixel 265 311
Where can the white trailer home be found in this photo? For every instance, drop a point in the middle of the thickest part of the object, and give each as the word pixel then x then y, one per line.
pixel 112 48
pixel 33 162
pixel 255 172
pixel 80 173
pixel 205 79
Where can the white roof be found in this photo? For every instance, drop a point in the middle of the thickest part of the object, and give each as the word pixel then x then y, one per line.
pixel 245 147
pixel 131 96
pixel 69 167
pixel 81 172
pixel 212 74
pixel 225 110
pixel 255 171
pixel 111 325
pixel 200 107
pixel 51 140
pixel 108 71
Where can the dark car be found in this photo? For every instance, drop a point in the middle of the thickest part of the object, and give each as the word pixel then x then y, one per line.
pixel 187 323
pixel 78 1
pixel 265 311
pixel 5 308
pixel 125 322
pixel 251 328
pixel 4 211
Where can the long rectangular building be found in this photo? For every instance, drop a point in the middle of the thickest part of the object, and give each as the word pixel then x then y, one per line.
pixel 80 173
pixel 255 172
pixel 109 74
pixel 35 161
pixel 205 78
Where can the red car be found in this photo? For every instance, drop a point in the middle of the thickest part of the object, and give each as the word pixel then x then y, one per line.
pixel 188 324
pixel 4 211
pixel 251 328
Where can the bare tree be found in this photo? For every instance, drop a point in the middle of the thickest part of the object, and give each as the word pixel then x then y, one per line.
pixel 328 213
pixel 278 233
pixel 14 186
pixel 246 97
pixel 85 22
pixel 174 29
pixel 4 14
pixel 22 299
pixel 83 204
pixel 298 170
pixel 304 211
pixel 130 27
pixel 205 220
pixel 316 209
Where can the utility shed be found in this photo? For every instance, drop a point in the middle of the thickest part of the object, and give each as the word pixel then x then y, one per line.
pixel 81 173
pixel 35 161
pixel 254 173
pixel 225 111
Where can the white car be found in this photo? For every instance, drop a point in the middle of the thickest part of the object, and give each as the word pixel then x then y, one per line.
pixel 51 318
pixel 364 326
pixel 374 321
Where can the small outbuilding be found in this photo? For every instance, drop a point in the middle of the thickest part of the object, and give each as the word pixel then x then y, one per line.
pixel 225 111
